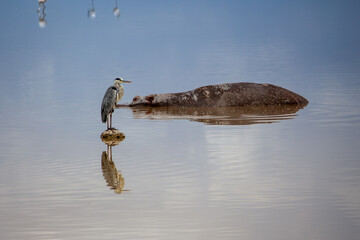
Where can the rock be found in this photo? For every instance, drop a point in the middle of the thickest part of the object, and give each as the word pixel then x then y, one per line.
pixel 112 137
pixel 224 95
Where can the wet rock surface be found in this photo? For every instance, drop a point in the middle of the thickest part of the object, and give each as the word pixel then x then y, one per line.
pixel 112 137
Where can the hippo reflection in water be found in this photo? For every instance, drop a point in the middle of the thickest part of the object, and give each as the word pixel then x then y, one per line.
pixel 242 115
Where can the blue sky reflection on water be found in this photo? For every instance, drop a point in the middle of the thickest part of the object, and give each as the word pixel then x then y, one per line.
pixel 187 180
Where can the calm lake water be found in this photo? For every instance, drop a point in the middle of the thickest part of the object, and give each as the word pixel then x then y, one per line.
pixel 263 173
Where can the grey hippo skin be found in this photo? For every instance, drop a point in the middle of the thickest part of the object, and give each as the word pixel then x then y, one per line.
pixel 224 95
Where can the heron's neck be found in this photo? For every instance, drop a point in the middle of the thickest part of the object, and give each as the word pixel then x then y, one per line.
pixel 120 92
pixel 119 86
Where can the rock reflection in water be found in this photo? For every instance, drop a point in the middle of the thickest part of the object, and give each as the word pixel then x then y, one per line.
pixel 220 115
pixel 112 176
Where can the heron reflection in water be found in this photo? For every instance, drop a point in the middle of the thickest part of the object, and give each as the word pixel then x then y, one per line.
pixel 41 13
pixel 112 176
pixel 116 10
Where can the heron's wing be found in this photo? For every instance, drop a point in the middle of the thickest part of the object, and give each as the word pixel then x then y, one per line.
pixel 108 102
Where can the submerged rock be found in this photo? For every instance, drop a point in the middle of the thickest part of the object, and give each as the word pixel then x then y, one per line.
pixel 224 95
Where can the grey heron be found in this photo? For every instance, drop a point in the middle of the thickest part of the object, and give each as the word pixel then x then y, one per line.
pixel 112 95
pixel 116 10
pixel 92 12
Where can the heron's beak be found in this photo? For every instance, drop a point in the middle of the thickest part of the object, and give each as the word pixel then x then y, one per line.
pixel 127 81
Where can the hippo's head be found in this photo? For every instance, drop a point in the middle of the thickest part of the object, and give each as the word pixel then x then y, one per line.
pixel 144 101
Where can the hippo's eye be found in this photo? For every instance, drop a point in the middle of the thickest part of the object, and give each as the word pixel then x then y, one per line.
pixel 150 98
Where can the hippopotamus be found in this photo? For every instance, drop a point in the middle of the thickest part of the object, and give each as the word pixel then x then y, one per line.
pixel 223 95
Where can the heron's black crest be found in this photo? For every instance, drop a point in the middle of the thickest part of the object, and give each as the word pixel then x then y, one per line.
pixel 117 79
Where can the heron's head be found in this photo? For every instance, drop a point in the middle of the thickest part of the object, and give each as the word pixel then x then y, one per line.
pixel 120 80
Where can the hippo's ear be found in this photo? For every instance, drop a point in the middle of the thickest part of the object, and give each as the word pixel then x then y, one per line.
pixel 150 98
pixel 136 98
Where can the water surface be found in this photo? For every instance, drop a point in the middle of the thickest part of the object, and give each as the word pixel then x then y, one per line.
pixel 263 173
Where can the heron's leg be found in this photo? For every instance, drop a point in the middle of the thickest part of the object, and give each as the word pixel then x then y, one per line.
pixel 110 153
pixel 110 120
pixel 108 150
pixel 107 122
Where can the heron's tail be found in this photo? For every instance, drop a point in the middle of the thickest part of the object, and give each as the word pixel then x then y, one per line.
pixel 103 116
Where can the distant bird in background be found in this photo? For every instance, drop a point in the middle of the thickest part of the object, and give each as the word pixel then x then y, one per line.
pixel 112 96
pixel 41 13
pixel 92 12
pixel 116 10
